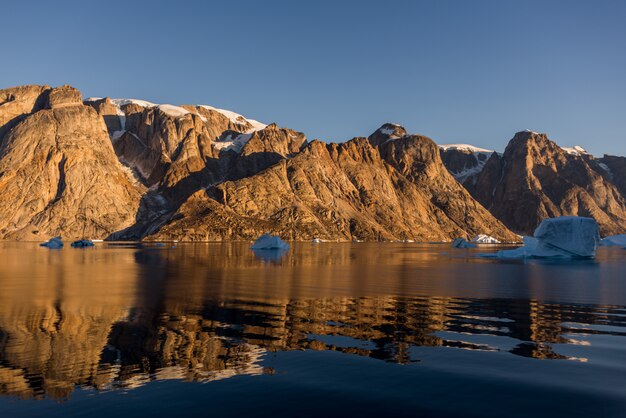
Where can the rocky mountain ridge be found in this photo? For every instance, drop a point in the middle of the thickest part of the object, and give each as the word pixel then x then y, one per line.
pixel 130 169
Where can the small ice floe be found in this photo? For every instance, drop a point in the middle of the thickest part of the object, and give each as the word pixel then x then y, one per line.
pixel 485 239
pixel 82 243
pixel 562 237
pixel 53 243
pixel 269 242
pixel 462 243
pixel 614 241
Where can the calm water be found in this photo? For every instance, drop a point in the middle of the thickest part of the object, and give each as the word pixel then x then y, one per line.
pixel 321 330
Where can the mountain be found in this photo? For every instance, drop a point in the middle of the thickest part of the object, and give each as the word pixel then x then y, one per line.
pixel 58 171
pixel 383 188
pixel 535 179
pixel 132 169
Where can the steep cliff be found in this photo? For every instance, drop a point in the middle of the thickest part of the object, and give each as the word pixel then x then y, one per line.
pixel 59 174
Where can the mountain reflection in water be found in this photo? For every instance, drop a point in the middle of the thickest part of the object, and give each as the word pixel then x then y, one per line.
pixel 119 317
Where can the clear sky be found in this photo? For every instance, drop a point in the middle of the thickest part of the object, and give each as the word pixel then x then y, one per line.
pixel 457 71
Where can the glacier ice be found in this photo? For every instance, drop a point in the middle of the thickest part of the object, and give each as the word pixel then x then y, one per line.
pixel 53 243
pixel 562 237
pixel 269 242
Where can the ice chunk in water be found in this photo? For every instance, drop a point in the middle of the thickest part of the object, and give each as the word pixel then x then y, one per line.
pixel 614 241
pixel 461 243
pixel 572 235
pixel 562 237
pixel 53 243
pixel 269 242
pixel 485 239
pixel 82 243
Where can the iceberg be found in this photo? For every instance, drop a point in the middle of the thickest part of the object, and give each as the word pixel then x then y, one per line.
pixel 53 243
pixel 82 243
pixel 614 241
pixel 461 243
pixel 269 242
pixel 562 237
pixel 485 239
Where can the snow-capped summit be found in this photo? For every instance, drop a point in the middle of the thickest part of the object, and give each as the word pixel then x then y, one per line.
pixel 387 132
pixel 575 150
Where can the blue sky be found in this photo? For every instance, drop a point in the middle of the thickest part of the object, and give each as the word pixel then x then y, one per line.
pixel 457 71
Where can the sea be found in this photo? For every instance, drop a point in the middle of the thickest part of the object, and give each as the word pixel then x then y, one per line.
pixel 319 330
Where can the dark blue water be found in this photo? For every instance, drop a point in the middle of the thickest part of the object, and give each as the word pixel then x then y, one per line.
pixel 321 330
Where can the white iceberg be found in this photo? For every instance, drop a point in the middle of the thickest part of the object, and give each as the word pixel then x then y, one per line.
pixel 562 237
pixel 269 242
pixel 614 241
pixel 53 243
pixel 485 239
pixel 461 243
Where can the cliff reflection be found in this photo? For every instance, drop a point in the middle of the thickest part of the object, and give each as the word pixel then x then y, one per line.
pixel 117 317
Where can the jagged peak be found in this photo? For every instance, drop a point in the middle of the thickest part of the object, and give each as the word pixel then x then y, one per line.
pixel 387 132
pixel 392 130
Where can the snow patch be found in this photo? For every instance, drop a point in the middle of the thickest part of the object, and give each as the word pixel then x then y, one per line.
pixel 173 111
pixel 142 103
pixel 237 118
pixel 465 147
pixel 234 143
pixel 462 175
pixel 575 150
pixel 606 168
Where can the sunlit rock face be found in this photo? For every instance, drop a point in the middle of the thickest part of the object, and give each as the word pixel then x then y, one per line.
pixel 536 179
pixel 131 169
pixel 353 190
pixel 59 174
